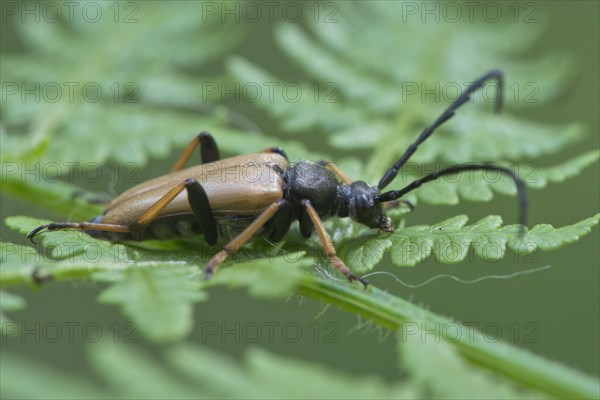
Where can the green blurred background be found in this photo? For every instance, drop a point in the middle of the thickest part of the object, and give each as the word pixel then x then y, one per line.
pixel 558 308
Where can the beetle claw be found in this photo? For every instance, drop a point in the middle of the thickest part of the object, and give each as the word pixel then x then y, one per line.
pixel 40 278
pixel 363 281
pixel 34 232
pixel 351 277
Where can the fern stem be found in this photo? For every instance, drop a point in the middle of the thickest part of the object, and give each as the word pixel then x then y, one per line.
pixel 393 313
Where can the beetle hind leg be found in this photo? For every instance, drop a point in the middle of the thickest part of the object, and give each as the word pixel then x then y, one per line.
pixel 82 226
pixel 209 151
pixel 202 212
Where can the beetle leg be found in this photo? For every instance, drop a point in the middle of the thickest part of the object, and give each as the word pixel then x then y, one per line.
pixel 281 222
pixel 209 151
pixel 152 212
pixel 202 212
pixel 328 246
pixel 399 203
pixel 237 242
pixel 199 204
pixel 276 150
pixel 41 278
pixel 336 170
pixel 305 223
pixel 82 226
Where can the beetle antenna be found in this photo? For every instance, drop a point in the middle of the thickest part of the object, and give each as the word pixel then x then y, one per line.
pixel 446 115
pixel 521 191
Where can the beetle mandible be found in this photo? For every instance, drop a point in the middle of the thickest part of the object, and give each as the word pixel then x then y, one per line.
pixel 205 198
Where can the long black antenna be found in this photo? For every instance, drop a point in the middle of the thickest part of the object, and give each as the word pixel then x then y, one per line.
pixel 446 115
pixel 522 193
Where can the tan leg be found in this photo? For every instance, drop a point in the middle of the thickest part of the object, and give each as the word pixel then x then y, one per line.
pixel 82 226
pixel 150 214
pixel 142 221
pixel 187 153
pixel 199 205
pixel 328 246
pixel 337 171
pixel 237 242
pixel 210 152
pixel 399 203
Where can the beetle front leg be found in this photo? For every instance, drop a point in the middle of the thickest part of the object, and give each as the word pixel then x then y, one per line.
pixel 328 246
pixel 209 151
pixel 281 222
pixel 398 204
pixel 237 242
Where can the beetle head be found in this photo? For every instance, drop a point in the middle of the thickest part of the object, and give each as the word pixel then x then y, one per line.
pixel 364 208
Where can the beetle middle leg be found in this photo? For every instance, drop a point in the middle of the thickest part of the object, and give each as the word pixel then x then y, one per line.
pixel 209 151
pixel 237 242
pixel 328 246
pixel 199 204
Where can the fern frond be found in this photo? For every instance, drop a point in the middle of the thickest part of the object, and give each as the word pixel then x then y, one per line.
pixel 451 240
pixel 375 104
pixel 122 103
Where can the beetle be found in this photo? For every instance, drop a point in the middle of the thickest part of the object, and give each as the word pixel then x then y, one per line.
pixel 210 198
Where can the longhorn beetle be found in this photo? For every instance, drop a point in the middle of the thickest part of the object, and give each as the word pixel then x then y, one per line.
pixel 207 198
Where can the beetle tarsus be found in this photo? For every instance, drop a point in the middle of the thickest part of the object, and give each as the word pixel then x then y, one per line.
pixel 37 230
pixel 409 204
pixel 215 261
pixel 363 281
pixel 40 278
pixel 351 277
